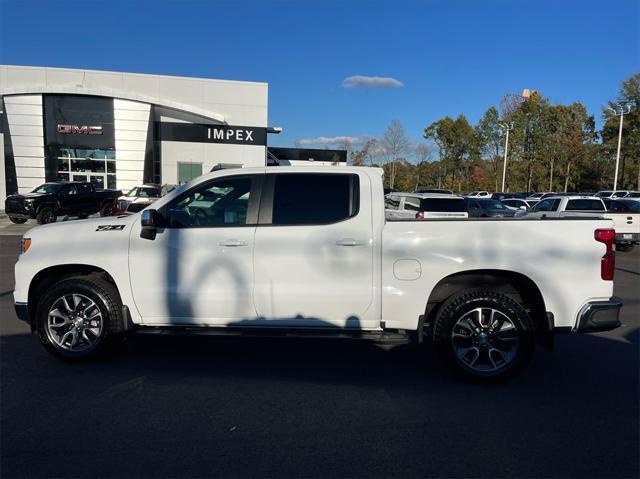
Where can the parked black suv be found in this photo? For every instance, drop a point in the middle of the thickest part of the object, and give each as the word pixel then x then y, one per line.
pixel 51 200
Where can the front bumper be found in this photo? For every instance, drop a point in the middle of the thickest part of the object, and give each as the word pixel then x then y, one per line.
pixel 599 316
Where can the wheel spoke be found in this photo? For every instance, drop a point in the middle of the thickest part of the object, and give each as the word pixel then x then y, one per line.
pixel 476 356
pixel 59 325
pixel 503 357
pixel 66 336
pixel 65 302
pixel 493 363
pixel 467 323
pixel 87 338
pixel 56 313
pixel 77 300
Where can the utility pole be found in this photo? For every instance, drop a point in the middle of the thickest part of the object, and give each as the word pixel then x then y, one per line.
pixel 508 127
pixel 621 111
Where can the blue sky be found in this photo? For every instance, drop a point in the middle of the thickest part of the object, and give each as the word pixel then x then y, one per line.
pixel 451 57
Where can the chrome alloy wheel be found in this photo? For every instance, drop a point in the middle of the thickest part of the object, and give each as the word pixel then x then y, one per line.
pixel 485 340
pixel 74 323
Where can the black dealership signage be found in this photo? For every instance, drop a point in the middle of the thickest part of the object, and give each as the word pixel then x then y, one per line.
pixel 199 133
pixel 75 121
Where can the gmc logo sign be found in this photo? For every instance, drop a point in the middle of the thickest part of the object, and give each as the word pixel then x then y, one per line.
pixel 80 130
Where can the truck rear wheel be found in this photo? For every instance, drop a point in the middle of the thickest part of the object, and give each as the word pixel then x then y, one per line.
pixel 483 335
pixel 17 221
pixel 77 317
pixel 46 215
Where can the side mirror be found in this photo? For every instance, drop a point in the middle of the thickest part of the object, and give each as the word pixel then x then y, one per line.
pixel 148 222
pixel 148 219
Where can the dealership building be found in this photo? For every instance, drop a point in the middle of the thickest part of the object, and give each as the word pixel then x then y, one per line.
pixel 119 130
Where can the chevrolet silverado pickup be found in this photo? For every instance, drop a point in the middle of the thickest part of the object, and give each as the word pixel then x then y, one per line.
pixel 307 251
pixel 50 200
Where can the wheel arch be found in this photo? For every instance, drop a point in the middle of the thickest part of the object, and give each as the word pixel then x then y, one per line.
pixel 48 204
pixel 48 276
pixel 515 285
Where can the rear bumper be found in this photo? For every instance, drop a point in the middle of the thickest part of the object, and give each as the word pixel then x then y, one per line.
pixel 627 237
pixel 599 316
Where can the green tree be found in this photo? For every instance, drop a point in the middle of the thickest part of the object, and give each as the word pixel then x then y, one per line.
pixel 489 137
pixel 630 149
pixel 457 143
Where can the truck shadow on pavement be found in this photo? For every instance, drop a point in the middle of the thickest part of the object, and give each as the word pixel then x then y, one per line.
pixel 195 406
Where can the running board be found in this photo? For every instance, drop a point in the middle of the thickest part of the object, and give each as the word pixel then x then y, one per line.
pixel 387 337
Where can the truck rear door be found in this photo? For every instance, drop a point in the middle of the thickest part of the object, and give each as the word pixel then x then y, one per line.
pixel 313 259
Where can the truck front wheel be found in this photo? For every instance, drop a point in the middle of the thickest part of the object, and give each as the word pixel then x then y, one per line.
pixel 483 335
pixel 46 215
pixel 76 317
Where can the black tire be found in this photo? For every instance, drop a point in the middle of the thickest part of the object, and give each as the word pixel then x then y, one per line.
pixel 46 215
pixel 472 353
pixel 106 210
pixel 17 221
pixel 105 299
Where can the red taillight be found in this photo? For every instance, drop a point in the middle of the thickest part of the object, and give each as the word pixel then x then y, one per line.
pixel 608 261
pixel 420 215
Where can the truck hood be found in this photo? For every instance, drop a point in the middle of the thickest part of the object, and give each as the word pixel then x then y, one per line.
pixel 28 195
pixel 82 228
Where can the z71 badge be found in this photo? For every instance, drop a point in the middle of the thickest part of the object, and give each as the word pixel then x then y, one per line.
pixel 110 228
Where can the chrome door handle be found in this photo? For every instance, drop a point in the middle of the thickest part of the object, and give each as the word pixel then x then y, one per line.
pixel 233 243
pixel 349 242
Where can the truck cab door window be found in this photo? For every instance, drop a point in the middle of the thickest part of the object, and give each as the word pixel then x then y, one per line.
pixel 224 202
pixel 547 205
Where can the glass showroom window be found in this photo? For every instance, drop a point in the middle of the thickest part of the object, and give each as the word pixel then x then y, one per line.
pixel 95 166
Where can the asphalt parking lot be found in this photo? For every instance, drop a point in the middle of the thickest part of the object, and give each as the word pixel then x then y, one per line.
pixel 198 406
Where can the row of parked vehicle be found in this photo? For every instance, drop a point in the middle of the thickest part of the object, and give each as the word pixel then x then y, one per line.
pixel 49 201
pixel 622 207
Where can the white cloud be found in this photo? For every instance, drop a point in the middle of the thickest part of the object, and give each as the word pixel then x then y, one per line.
pixel 333 140
pixel 362 81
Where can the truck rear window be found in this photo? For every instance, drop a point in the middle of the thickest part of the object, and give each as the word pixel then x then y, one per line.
pixel 323 198
pixel 443 204
pixel 585 205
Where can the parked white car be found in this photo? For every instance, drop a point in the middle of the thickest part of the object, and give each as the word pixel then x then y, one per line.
pixel 613 194
pixel 307 251
pixel 479 194
pixel 136 199
pixel 539 196
pixel 424 206
pixel 519 204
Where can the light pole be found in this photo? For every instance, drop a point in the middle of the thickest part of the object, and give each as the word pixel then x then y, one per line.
pixel 621 111
pixel 508 127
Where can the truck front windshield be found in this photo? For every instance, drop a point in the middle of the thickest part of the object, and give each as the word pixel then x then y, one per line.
pixel 492 205
pixel 47 188
pixel 139 192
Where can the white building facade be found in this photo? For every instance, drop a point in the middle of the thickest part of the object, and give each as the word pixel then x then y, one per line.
pixel 119 130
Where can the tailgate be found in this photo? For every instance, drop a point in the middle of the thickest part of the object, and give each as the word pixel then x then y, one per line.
pixel 625 224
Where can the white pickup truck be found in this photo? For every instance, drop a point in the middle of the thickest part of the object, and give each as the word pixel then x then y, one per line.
pixel 308 252
pixel 624 213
